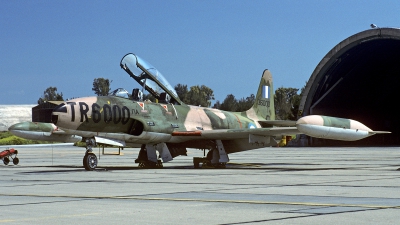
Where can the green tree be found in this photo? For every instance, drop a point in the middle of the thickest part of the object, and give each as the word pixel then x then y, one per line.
pixel 217 105
pixel 286 100
pixel 101 86
pixel 182 91
pixel 50 94
pixel 245 103
pixel 207 94
pixel 197 95
pixel 296 103
pixel 295 107
pixel 230 103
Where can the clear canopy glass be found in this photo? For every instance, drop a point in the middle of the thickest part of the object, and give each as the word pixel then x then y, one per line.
pixel 120 92
pixel 149 78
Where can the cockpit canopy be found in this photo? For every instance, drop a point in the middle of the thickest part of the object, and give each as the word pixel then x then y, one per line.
pixel 120 92
pixel 149 78
pixel 137 95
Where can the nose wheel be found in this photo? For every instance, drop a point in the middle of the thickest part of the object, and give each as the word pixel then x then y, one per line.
pixel 90 161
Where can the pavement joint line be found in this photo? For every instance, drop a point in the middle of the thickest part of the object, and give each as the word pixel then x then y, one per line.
pixel 212 200
pixel 47 217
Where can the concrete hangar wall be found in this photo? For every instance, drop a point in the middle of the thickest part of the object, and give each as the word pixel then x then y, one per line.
pixel 358 79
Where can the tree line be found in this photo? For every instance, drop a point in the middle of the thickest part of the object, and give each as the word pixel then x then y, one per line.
pixel 287 100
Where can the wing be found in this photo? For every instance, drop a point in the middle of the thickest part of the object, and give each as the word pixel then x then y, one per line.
pixel 270 123
pixel 230 134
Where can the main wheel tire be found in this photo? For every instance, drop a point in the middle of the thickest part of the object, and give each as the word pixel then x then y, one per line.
pixel 222 165
pixel 159 165
pixel 90 161
pixel 6 160
pixel 84 161
pixel 151 165
pixel 15 161
pixel 209 155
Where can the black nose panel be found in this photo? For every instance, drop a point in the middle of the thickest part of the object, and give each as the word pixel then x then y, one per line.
pixel 60 108
pixel 54 119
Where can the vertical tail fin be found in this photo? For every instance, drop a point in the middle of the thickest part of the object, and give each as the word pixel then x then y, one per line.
pixel 263 108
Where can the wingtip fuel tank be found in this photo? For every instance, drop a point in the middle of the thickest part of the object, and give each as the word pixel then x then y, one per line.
pixel 334 128
pixel 42 131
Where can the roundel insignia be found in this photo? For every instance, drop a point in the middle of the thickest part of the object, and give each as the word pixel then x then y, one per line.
pixel 251 126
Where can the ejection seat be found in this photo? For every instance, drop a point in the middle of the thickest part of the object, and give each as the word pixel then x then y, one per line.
pixel 164 98
pixel 137 95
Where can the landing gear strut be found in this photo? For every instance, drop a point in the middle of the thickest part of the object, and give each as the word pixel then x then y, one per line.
pixel 90 159
pixel 217 157
pixel 206 162
pixel 144 162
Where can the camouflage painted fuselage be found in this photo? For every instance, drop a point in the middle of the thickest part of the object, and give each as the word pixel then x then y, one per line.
pixel 113 115
pixel 134 122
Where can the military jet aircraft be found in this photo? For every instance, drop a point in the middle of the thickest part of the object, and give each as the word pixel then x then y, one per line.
pixel 168 126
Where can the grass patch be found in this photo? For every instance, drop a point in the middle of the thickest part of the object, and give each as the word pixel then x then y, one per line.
pixel 6 138
pixel 5 134
pixel 80 144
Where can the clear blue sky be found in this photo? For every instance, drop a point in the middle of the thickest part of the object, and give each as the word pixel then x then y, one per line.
pixel 222 44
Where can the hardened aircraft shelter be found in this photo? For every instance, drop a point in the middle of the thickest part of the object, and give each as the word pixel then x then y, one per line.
pixel 359 79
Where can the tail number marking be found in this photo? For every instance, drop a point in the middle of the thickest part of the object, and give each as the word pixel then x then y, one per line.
pixel 263 102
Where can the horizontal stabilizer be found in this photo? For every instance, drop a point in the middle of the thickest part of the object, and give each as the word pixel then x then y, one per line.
pixel 268 123
pixel 109 141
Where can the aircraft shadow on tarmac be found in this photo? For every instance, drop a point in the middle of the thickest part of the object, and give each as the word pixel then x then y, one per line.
pixel 229 166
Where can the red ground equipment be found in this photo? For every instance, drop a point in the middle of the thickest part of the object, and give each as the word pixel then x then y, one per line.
pixel 7 154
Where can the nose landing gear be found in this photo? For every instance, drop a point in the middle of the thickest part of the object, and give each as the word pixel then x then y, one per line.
pixel 90 159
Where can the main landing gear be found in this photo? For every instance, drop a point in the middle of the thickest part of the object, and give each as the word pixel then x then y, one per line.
pixel 144 162
pixel 90 159
pixel 216 157
pixel 206 162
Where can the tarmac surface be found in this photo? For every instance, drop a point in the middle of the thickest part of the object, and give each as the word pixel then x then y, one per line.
pixel 266 186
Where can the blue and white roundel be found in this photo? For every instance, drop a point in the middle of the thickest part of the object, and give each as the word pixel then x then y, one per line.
pixel 251 126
